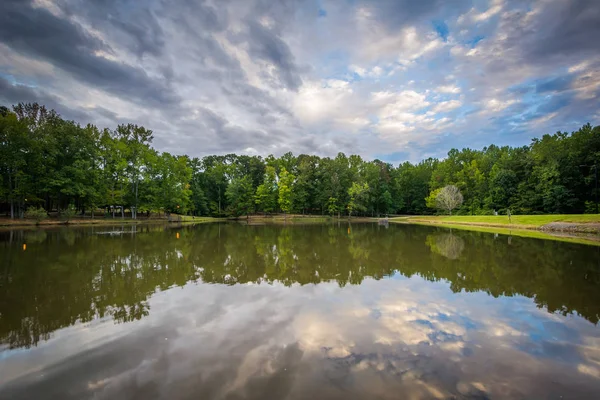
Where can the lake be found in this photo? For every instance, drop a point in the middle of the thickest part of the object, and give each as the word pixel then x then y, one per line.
pixel 327 311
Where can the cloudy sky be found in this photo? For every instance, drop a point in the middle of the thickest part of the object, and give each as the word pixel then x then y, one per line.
pixel 392 79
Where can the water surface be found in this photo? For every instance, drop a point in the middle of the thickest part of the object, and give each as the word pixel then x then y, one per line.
pixel 332 311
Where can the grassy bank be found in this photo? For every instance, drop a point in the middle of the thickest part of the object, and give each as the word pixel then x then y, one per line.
pixel 516 221
pixel 253 219
pixel 288 219
pixel 300 219
pixel 553 227
pixel 9 223
pixel 590 239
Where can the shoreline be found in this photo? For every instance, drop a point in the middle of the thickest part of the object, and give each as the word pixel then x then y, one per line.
pixel 6 223
pixel 52 223
pixel 545 224
pixel 583 233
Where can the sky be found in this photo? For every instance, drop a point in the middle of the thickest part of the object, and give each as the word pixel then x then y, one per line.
pixel 395 80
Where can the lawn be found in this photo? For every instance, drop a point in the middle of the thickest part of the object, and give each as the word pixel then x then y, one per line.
pixel 521 225
pixel 524 221
pixel 528 233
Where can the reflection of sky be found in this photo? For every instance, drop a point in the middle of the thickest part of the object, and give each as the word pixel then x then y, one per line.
pixel 379 338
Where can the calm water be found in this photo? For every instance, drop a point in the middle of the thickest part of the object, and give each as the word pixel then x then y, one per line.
pixel 230 311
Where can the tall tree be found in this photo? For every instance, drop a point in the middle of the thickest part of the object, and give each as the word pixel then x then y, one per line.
pixel 286 181
pixel 240 196
pixel 137 140
pixel 267 192
pixel 358 197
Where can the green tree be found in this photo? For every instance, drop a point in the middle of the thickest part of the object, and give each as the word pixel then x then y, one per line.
pixel 359 196
pixel 332 206
pixel 431 200
pixel 216 171
pixel 173 194
pixel 14 144
pixel 267 192
pixel 286 181
pixel 136 140
pixel 240 196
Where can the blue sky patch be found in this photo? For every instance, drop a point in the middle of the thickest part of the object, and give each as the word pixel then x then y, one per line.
pixel 442 29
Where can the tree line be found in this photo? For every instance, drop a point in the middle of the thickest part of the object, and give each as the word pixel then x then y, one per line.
pixel 52 164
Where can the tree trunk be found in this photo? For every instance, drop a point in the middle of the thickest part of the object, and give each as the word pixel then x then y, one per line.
pixel 134 213
pixel 219 202
pixel 122 212
pixel 12 201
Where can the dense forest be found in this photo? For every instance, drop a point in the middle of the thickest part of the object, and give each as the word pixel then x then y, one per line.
pixel 58 165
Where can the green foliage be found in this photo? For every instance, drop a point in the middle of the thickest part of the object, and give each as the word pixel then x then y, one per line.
pixel 53 162
pixel 240 195
pixel 358 198
pixel 36 213
pixel 67 214
pixel 332 206
pixel 431 200
pixel 286 181
pixel 267 192
pixel 590 207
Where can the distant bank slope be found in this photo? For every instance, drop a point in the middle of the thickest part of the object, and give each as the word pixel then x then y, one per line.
pixel 582 223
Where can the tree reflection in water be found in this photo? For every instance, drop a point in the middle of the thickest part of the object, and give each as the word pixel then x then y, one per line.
pixel 78 275
pixel 446 244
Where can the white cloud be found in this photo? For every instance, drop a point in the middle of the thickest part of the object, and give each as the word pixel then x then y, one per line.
pixel 48 5
pixel 17 64
pixel 374 72
pixel 404 46
pixel 587 81
pixel 495 105
pixel 453 89
pixel 393 103
pixel 320 101
pixel 446 106
pixel 475 16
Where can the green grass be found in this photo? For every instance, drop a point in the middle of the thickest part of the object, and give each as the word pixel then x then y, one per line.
pixel 529 221
pixel 528 233
pixel 292 219
pixel 521 225
pixel 10 223
pixel 189 218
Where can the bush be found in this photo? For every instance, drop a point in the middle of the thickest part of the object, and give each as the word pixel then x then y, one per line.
pixel 590 207
pixel 36 213
pixel 67 214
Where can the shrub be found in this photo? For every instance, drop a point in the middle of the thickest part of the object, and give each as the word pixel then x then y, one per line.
pixel 67 214
pixel 36 213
